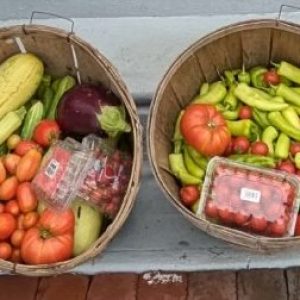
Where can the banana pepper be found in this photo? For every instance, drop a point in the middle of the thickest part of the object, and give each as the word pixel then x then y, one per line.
pixel 246 128
pixel 215 94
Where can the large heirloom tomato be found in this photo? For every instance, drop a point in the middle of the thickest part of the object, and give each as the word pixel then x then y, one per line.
pixel 51 240
pixel 204 128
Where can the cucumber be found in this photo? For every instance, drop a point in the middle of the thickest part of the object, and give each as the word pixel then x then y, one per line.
pixel 33 117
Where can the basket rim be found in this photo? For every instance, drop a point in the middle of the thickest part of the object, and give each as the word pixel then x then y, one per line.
pixel 260 242
pixel 133 186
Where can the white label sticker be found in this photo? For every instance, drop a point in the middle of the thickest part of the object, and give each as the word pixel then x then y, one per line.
pixel 250 195
pixel 52 168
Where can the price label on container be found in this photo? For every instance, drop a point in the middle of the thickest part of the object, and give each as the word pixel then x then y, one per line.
pixel 250 195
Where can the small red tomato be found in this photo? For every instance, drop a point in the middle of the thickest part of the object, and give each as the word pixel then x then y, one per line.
pixel 46 132
pixel 30 219
pixel 225 215
pixel 24 146
pixel 259 148
pixel 295 148
pixel 211 210
pixel 17 237
pixel 228 150
pixel 16 256
pixel 12 207
pixel 240 145
pixel 278 228
pixel 189 195
pixel 5 250
pixel 2 207
pixel 258 224
pixel 297 228
pixel 287 166
pixel 271 77
pixel 245 112
pixel 241 217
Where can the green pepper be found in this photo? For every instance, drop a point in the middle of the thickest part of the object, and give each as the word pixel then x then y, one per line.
pixel 286 81
pixel 296 89
pixel 297 160
pixel 269 135
pixel 191 166
pixel 297 109
pixel 246 128
pixel 229 78
pixel 255 160
pixel 204 88
pixel 198 158
pixel 278 121
pixel 250 97
pixel 263 94
pixel 291 117
pixel 289 71
pixel 244 76
pixel 179 170
pixel 64 85
pixel 230 101
pixel 177 136
pixel 260 117
pixel 257 74
pixel 288 94
pixel 231 115
pixel 216 94
pixel 282 146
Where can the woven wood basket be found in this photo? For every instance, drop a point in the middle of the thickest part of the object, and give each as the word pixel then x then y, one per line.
pixel 64 53
pixel 255 42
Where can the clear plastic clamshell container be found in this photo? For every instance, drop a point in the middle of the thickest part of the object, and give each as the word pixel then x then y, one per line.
pixel 255 200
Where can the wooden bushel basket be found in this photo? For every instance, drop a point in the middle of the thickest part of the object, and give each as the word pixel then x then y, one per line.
pixel 255 42
pixel 64 53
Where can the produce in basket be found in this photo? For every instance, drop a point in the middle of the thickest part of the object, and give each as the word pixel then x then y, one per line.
pixel 59 185
pixel 250 117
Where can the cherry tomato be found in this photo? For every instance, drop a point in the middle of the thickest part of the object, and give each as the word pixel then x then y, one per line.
pixel 8 225
pixel 17 238
pixel 245 112
pixel 278 228
pixel 229 149
pixel 271 77
pixel 30 219
pixel 241 217
pixel 225 215
pixel 259 148
pixel 5 250
pixel 258 224
pixel 20 221
pixel 12 207
pixel 2 207
pixel 287 166
pixel 297 228
pixel 295 148
pixel 16 256
pixel 240 145
pixel 189 195
pixel 211 210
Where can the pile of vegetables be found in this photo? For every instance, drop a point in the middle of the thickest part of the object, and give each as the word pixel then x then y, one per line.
pixel 249 116
pixel 36 110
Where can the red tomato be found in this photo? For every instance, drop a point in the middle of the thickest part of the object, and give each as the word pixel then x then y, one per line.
pixel 241 217
pixel 11 162
pixel 297 228
pixel 211 210
pixel 16 256
pixel 287 166
pixel 271 77
pixel 204 128
pixel 278 228
pixel 26 197
pixel 245 112
pixel 20 221
pixel 7 225
pixel 8 188
pixel 51 240
pixel 24 146
pixel 46 132
pixel 12 207
pixel 259 148
pixel 228 150
pixel 272 210
pixel 240 145
pixel 189 195
pixel 225 215
pixel 2 207
pixel 258 224
pixel 30 219
pixel 5 250
pixel 295 148
pixel 17 238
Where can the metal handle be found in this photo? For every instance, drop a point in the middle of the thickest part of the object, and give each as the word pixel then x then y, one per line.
pixel 53 15
pixel 282 6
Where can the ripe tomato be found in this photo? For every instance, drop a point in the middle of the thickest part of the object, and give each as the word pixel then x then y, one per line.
pixel 297 228
pixel 228 150
pixel 17 238
pixel 51 240
pixel 8 188
pixel 30 219
pixel 46 132
pixel 241 217
pixel 11 162
pixel 20 221
pixel 204 128
pixel 245 112
pixel 2 171
pixel 294 148
pixel 271 77
pixel 7 225
pixel 240 145
pixel 211 210
pixel 287 166
pixel 278 228
pixel 2 207
pixel 259 148
pixel 189 195
pixel 258 224
pixel 24 146
pixel 16 256
pixel 225 215
pixel 12 207
pixel 26 197
pixel 5 250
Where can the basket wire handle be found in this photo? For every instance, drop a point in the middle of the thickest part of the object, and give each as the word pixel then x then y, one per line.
pixel 53 15
pixel 282 6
